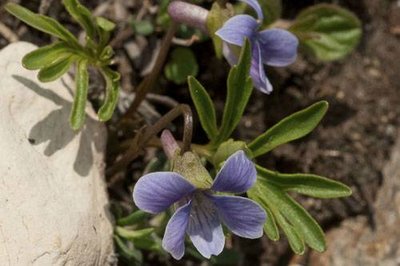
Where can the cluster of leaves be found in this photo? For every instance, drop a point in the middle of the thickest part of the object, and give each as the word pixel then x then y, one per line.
pixel 55 60
pixel 271 189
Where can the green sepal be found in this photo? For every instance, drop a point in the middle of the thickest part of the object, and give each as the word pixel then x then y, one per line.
pixel 78 114
pixel 307 184
pixel 190 167
pixel 56 70
pixel 228 148
pixel 216 18
pixel 290 128
pixel 42 23
pixel 46 55
pixel 327 31
pixel 112 91
pixel 240 87
pixel 204 107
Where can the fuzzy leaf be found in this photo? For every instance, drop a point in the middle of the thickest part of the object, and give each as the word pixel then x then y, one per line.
pixel 307 184
pixel 46 55
pixel 82 15
pixel 56 70
pixel 78 114
pixel 295 240
pixel 327 31
pixel 204 107
pixel 305 226
pixel 42 23
pixel 240 87
pixel 112 91
pixel 290 128
pixel 133 234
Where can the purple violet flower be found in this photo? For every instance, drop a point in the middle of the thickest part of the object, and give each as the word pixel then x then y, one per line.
pixel 273 47
pixel 200 212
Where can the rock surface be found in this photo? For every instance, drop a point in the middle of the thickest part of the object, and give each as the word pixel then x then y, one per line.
pixel 356 242
pixel 53 202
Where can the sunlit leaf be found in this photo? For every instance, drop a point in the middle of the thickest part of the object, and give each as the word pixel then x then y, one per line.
pixel 78 113
pixel 56 70
pixel 46 55
pixel 112 91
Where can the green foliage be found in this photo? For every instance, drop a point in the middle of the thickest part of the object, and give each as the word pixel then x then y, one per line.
pixel 226 149
pixel 182 64
pixel 290 128
pixel 239 88
pixel 54 60
pixel 204 106
pixel 143 27
pixel 272 10
pixel 327 31
pixel 307 184
pixel 215 19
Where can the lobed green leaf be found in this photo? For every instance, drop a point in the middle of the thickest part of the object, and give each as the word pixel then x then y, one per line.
pixel 295 240
pixel 78 113
pixel 112 92
pixel 56 70
pixel 204 107
pixel 327 31
pixel 239 90
pixel 307 184
pixel 42 23
pixel 290 128
pixel 305 226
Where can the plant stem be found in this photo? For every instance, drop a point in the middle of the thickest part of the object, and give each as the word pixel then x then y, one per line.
pixel 146 134
pixel 149 81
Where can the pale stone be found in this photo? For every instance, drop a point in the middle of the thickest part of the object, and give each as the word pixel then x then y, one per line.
pixel 356 241
pixel 53 201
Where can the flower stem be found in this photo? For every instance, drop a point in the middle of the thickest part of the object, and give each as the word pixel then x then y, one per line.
pixel 146 134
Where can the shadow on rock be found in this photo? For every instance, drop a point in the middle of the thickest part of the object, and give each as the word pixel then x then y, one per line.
pixel 55 128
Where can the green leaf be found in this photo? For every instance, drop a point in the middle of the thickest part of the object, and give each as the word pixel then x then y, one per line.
pixel 290 128
pixel 56 70
pixel 126 252
pixel 215 19
pixel 105 24
pixel 143 27
pixel 42 23
pixel 305 226
pixel 112 91
pixel 182 64
pixel 82 15
pixel 307 184
pixel 226 149
pixel 204 107
pixel 46 55
pixel 133 234
pixel 295 240
pixel 78 113
pixel 327 31
pixel 240 87
pixel 270 227
pixel 134 218
pixel 272 10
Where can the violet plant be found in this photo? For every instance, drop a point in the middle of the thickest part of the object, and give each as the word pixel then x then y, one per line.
pixel 200 178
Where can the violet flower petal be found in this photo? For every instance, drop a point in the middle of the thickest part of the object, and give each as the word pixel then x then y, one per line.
pixel 257 72
pixel 237 29
pixel 256 6
pixel 237 175
pixel 156 191
pixel 242 216
pixel 229 54
pixel 205 229
pixel 174 236
pixel 278 47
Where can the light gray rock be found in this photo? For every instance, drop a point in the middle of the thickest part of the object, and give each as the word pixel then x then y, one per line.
pixel 355 242
pixel 53 201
